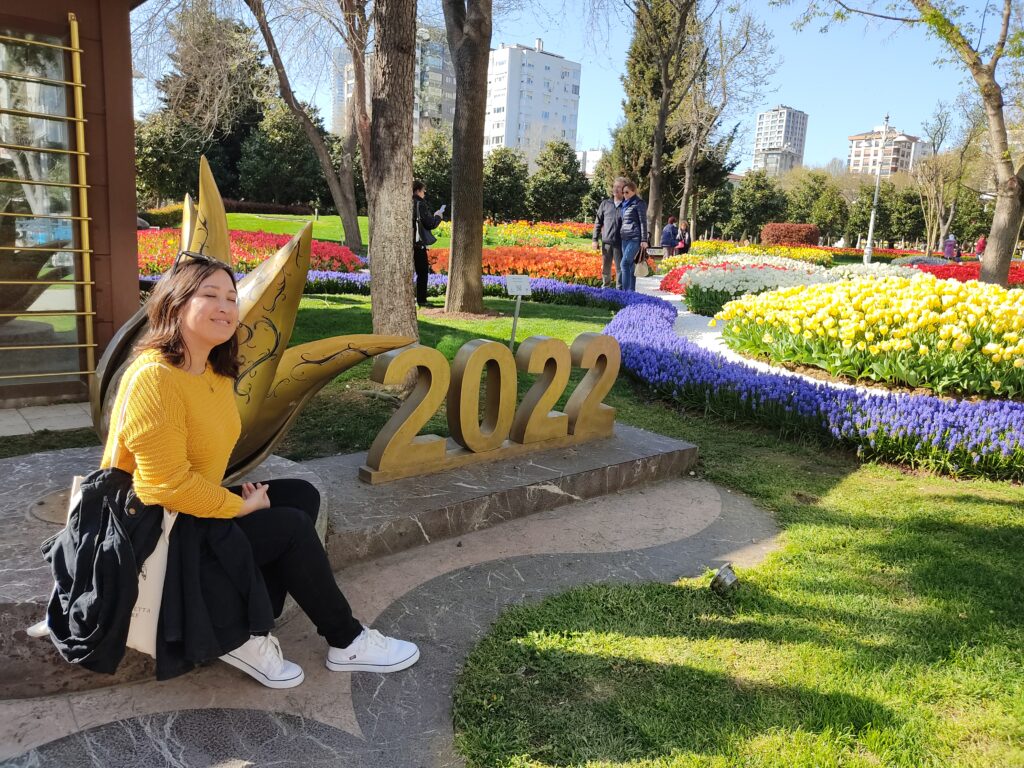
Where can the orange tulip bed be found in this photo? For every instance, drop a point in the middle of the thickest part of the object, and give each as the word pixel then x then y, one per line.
pixel 582 267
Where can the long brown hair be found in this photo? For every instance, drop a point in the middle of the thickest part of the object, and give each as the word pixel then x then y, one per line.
pixel 173 291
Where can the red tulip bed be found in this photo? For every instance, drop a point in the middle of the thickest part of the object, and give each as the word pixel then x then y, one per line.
pixel 157 249
pixel 970 271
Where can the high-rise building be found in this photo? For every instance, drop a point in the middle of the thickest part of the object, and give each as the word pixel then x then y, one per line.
pixel 433 102
pixel 533 97
pixel 434 95
pixel 589 158
pixel 779 140
pixel 901 152
pixel 343 84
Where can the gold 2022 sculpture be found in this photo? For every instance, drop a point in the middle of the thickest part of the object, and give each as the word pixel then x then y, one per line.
pixel 274 383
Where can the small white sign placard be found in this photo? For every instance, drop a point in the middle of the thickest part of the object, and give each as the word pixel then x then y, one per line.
pixel 517 285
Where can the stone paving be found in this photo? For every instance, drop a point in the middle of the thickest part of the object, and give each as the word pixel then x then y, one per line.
pixel 443 595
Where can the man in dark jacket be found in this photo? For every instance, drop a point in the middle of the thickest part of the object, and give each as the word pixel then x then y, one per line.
pixel 422 224
pixel 606 235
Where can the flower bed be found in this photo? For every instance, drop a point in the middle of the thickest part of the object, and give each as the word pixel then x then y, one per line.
pixel 524 233
pixel 582 267
pixel 957 437
pixel 947 336
pixel 970 271
pixel 157 250
pixel 804 253
pixel 815 254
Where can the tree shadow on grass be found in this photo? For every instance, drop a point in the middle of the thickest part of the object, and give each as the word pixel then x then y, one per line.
pixel 565 709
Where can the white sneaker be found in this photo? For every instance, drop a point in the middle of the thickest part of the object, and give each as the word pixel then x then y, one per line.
pixel 373 652
pixel 260 657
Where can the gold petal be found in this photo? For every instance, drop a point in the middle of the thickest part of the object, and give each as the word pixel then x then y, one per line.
pixel 188 222
pixel 210 235
pixel 303 371
pixel 268 301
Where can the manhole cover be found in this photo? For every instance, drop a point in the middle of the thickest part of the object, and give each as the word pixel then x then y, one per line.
pixel 51 508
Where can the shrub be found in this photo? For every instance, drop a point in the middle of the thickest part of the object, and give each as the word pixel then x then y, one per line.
pixel 790 234
pixel 168 216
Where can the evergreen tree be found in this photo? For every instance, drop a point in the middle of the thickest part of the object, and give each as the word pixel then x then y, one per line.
pixel 906 218
pixel 278 164
pixel 714 211
pixel 757 201
pixel 973 216
pixel 801 199
pixel 830 212
pixel 432 164
pixel 555 191
pixel 505 183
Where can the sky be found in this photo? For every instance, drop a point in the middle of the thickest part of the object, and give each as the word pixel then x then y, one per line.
pixel 846 80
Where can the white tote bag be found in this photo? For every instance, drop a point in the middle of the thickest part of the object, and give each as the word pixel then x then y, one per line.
pixel 146 613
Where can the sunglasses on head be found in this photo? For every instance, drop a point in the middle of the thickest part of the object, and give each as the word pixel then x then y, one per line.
pixel 196 256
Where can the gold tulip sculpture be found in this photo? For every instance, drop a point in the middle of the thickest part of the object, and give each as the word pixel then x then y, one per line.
pixel 275 381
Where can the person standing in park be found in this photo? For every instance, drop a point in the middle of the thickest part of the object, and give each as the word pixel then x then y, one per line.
pixel 949 247
pixel 633 232
pixel 606 235
pixel 670 236
pixel 684 239
pixel 423 221
pixel 979 247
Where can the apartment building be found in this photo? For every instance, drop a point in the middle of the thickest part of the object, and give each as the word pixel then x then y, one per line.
pixel 533 97
pixel 779 140
pixel 901 152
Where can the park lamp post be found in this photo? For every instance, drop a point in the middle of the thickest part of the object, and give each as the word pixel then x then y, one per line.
pixel 869 245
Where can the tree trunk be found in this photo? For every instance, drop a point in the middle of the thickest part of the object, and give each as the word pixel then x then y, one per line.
pixel 316 140
pixel 468 24
pixel 689 167
pixel 389 186
pixel 1006 224
pixel 694 199
pixel 349 213
pixel 654 197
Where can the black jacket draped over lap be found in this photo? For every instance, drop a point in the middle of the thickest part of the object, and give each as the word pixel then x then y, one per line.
pixel 214 596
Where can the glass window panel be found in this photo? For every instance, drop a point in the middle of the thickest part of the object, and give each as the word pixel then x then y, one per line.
pixel 33 132
pixel 30 338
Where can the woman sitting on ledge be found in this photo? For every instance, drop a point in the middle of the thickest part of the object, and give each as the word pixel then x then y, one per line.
pixel 234 554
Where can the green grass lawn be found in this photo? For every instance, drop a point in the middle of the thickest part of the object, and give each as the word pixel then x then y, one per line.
pixel 888 629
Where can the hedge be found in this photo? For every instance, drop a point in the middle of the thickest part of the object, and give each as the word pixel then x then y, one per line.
pixel 790 234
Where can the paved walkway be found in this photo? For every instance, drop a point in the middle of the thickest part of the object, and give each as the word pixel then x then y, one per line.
pixel 443 596
pixel 25 421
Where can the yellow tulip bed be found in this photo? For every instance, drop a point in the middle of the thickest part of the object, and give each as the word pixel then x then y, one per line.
pixel 948 336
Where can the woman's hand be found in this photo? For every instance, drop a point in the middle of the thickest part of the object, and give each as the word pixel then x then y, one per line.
pixel 254 496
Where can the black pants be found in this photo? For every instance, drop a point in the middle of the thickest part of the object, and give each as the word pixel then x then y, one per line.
pixel 422 264
pixel 287 549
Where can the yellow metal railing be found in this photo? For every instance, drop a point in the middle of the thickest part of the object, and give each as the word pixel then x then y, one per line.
pixel 77 119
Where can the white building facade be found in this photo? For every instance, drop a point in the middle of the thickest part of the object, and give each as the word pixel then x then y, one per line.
pixel 533 97
pixel 779 140
pixel 900 153
pixel 589 158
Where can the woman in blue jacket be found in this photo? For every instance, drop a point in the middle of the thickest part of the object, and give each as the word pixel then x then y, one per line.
pixel 633 232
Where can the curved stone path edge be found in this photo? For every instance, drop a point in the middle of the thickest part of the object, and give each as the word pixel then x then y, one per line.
pixel 444 596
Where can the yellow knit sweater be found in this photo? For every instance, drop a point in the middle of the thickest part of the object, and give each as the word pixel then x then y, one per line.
pixel 178 433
